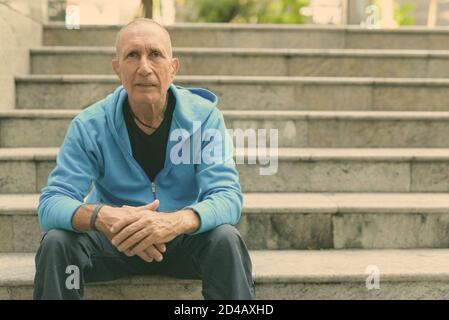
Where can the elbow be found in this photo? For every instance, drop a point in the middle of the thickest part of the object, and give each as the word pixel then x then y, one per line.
pixel 237 207
pixel 41 218
pixel 42 215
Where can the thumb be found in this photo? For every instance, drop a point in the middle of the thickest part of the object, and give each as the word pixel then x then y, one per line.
pixel 151 206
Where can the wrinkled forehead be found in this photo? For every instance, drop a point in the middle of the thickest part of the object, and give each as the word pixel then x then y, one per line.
pixel 149 34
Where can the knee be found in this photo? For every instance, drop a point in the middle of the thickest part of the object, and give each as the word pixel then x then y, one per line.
pixel 58 239
pixel 226 235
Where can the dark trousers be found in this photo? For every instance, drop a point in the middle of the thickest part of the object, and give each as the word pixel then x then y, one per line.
pixel 218 257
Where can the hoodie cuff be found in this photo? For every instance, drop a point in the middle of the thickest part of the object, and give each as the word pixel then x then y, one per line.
pixel 202 209
pixel 65 210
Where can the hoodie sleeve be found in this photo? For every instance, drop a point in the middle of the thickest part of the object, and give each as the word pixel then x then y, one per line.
pixel 70 180
pixel 220 200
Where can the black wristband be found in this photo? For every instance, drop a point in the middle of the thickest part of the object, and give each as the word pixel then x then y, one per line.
pixel 93 218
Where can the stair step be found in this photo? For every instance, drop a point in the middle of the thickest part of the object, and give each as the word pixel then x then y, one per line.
pixel 279 221
pixel 258 62
pixel 309 129
pixel 263 36
pixel 237 93
pixel 25 170
pixel 329 274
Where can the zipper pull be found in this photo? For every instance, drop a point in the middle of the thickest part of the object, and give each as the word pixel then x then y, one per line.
pixel 153 189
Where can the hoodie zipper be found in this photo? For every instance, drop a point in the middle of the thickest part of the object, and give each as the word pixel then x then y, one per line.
pixel 153 189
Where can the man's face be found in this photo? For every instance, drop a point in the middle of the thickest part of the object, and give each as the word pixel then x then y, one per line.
pixel 144 64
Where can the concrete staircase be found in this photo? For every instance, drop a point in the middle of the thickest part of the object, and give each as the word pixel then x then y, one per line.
pixel 363 180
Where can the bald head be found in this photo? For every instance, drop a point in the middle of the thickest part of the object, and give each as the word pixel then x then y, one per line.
pixel 142 25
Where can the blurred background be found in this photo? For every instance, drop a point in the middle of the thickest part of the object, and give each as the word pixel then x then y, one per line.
pixel 389 13
pixel 386 13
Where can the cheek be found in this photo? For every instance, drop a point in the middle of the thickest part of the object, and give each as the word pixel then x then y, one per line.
pixel 166 77
pixel 126 80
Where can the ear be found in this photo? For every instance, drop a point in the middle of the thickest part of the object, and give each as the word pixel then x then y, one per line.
pixel 175 64
pixel 116 66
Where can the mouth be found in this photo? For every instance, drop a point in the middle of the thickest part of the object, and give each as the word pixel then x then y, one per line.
pixel 145 85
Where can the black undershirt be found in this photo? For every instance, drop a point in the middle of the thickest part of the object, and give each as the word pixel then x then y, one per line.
pixel 149 149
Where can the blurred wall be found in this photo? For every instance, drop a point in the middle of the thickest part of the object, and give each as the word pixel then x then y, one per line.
pixel 422 9
pixel 20 29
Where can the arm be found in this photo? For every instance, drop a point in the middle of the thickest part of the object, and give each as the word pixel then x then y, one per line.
pixel 221 198
pixel 77 165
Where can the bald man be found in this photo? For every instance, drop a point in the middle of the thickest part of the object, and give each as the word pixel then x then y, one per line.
pixel 133 193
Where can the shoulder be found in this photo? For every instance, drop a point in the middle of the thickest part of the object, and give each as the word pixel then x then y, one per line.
pixel 196 104
pixel 94 115
pixel 198 98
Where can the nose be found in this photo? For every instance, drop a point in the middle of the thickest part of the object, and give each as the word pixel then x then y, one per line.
pixel 144 67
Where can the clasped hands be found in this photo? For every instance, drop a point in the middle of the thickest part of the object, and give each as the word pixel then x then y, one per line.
pixel 139 230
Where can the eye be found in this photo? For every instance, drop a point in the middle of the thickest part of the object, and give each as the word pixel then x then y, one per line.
pixel 132 54
pixel 155 54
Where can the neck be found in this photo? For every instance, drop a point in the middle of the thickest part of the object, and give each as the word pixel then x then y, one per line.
pixel 151 115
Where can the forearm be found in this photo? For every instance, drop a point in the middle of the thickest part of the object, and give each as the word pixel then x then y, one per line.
pixel 189 221
pixel 82 217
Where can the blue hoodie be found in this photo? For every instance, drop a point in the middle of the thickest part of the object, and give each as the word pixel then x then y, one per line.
pixel 95 164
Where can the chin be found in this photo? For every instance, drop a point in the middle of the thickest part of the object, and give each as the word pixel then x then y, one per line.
pixel 147 99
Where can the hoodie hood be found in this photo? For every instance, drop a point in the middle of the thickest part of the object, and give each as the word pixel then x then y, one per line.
pixel 194 104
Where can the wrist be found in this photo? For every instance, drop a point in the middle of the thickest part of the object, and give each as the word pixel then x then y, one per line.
pixel 189 221
pixel 100 223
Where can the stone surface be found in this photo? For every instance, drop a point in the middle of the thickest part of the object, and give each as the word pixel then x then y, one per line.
pixel 387 230
pixel 71 95
pixel 264 36
pixel 4 294
pixel 6 234
pixel 257 62
pixel 327 274
pixel 432 177
pixel 236 93
pixel 328 176
pixel 323 129
pixel 17 177
pixel 26 170
pixel 404 96
pixel 383 133
pixel 354 291
pixel 286 231
pixel 203 35
pixel 32 132
pixel 43 171
pixel 27 233
pixel 292 221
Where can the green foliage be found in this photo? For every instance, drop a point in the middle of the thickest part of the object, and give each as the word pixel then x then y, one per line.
pixel 247 11
pixel 283 11
pixel 401 14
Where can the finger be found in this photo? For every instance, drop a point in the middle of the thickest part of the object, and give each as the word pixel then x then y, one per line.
pixel 151 206
pixel 145 243
pixel 122 223
pixel 127 232
pixel 161 247
pixel 154 253
pixel 133 240
pixel 144 256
